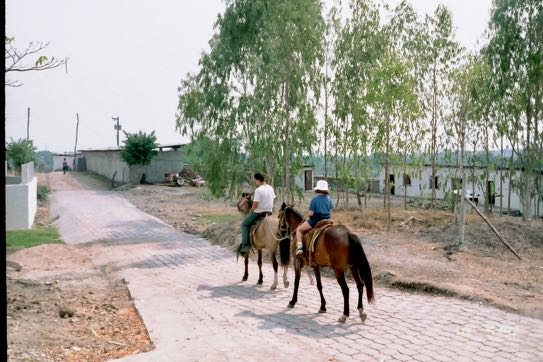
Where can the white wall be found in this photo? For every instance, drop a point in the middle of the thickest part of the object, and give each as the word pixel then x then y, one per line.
pixel 420 185
pixel 22 200
pixel 164 162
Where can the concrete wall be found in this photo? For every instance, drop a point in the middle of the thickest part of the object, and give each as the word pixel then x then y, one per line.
pixel 22 200
pixel 107 162
pixel 164 162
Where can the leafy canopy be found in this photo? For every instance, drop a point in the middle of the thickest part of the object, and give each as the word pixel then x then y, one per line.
pixel 139 148
pixel 20 152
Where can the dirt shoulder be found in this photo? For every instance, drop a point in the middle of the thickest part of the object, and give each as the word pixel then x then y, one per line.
pixel 62 303
pixel 417 255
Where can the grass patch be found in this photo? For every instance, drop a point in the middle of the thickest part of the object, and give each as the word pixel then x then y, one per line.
pixel 20 239
pixel 43 193
pixel 220 218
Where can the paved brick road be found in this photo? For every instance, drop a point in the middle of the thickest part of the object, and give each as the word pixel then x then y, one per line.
pixel 191 299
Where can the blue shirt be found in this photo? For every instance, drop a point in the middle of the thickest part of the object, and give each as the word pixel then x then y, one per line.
pixel 321 206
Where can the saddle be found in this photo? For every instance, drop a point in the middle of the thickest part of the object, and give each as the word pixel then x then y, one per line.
pixel 256 225
pixel 314 234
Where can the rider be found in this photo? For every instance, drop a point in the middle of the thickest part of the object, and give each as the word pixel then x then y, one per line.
pixel 262 204
pixel 320 209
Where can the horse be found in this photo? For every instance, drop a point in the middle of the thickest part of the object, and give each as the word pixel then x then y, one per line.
pixel 264 237
pixel 336 247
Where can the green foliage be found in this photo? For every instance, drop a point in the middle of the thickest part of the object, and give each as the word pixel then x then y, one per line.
pixel 17 239
pixel 254 98
pixel 139 148
pixel 43 193
pixel 20 152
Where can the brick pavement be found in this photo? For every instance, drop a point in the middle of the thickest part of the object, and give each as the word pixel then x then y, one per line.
pixel 191 299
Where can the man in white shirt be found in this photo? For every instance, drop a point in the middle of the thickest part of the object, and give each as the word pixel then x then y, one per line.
pixel 262 204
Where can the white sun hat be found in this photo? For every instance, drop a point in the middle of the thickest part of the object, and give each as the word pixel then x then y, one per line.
pixel 321 186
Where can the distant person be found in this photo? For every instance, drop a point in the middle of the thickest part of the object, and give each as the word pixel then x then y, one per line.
pixel 320 209
pixel 65 165
pixel 262 204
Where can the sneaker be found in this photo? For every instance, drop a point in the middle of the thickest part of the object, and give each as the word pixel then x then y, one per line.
pixel 299 249
pixel 244 249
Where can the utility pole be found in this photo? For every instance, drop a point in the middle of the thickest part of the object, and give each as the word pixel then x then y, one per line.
pixel 28 125
pixel 117 127
pixel 75 147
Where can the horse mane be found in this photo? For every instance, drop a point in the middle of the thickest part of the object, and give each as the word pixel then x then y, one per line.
pixel 296 213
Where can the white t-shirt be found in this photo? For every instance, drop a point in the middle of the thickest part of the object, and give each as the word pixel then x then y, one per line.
pixel 264 195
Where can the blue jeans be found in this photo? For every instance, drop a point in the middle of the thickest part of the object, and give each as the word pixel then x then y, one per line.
pixel 246 226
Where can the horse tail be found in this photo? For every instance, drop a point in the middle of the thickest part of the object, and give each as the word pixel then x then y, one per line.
pixel 284 251
pixel 358 258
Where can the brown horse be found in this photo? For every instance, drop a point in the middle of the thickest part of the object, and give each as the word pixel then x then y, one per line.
pixel 336 247
pixel 265 238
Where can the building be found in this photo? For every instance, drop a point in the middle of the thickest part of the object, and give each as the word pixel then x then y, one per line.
pixel 417 183
pixel 107 162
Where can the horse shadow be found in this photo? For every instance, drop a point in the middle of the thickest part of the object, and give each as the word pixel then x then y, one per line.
pixel 312 325
pixel 239 290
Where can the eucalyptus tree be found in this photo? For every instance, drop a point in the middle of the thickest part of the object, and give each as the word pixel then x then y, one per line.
pixel 256 92
pixel 359 46
pixel 393 98
pixel 515 53
pixel 406 37
pixel 442 51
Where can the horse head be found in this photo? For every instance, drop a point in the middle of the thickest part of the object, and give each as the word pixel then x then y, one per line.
pixel 245 203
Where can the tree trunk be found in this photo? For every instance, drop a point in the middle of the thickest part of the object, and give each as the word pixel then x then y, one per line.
pixel 527 165
pixel 434 137
pixel 501 175
pixel 387 178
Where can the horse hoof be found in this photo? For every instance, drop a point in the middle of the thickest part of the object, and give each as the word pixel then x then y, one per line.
pixel 273 287
pixel 286 284
pixel 290 305
pixel 363 315
pixel 322 310
pixel 342 319
pixel 244 279
pixel 259 282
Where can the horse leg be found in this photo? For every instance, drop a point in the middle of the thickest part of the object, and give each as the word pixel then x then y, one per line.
pixel 360 287
pixel 340 276
pixel 297 273
pixel 246 275
pixel 317 271
pixel 275 267
pixel 260 276
pixel 285 276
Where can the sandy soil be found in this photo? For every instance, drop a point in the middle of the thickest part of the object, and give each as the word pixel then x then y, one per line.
pixel 419 254
pixel 64 306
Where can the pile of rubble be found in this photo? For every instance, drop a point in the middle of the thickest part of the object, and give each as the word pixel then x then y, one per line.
pixel 186 177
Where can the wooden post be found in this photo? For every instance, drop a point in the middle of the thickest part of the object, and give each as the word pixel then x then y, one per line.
pixel 492 227
pixel 75 147
pixel 28 125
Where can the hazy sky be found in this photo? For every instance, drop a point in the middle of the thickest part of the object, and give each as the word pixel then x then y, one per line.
pixel 127 59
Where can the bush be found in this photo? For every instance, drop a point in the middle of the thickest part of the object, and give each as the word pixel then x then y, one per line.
pixel 43 193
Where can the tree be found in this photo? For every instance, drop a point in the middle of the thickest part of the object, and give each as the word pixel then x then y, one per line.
pixel 139 149
pixel 441 54
pixel 515 54
pixel 256 91
pixel 15 60
pixel 20 152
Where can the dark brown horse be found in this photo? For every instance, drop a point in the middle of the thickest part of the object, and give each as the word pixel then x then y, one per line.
pixel 336 247
pixel 265 237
